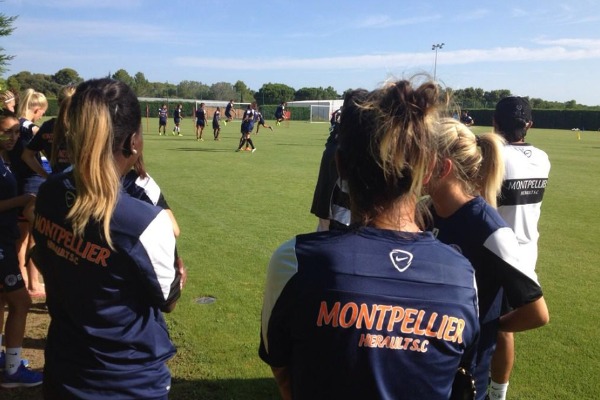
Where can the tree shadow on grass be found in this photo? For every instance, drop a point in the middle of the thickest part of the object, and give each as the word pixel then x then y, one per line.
pixel 204 149
pixel 183 389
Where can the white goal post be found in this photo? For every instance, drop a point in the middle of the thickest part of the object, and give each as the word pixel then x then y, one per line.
pixel 320 113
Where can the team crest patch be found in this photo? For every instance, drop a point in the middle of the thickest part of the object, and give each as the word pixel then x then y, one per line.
pixel 401 259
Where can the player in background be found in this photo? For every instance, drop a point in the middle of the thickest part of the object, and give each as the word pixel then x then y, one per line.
pixel 247 127
pixel 115 287
pixel 331 203
pixel 520 202
pixel 261 121
pixel 177 117
pixel 216 123
pixel 229 112
pixel 463 190
pixel 466 119
pixel 163 115
pixel 41 143
pixel 201 122
pixel 335 116
pixel 12 285
pixel 31 109
pixel 280 112
pixel 8 101
pixel 325 290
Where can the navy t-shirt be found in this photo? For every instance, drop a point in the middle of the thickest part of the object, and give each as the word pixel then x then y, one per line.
pixel 107 335
pixel 9 231
pixel 478 232
pixel 368 313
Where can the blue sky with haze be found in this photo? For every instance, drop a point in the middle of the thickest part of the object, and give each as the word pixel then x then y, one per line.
pixel 547 49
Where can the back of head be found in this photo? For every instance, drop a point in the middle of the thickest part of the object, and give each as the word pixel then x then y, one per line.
pixel 512 117
pixel 6 97
pixel 102 116
pixel 65 93
pixel 30 100
pixel 476 160
pixel 386 144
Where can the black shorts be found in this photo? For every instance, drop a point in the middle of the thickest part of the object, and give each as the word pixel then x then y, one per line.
pixel 10 273
pixel 228 115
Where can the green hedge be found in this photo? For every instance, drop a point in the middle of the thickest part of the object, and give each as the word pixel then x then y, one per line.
pixel 548 119
pixel 588 120
pixel 268 111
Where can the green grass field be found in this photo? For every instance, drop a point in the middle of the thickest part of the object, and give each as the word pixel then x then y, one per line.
pixel 234 209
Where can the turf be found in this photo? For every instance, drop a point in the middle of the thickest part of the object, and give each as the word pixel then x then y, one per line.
pixel 234 209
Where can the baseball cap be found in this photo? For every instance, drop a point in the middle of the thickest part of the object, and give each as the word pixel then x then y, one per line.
pixel 513 107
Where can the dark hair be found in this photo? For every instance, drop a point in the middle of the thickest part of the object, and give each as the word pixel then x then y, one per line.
pixel 512 117
pixel 386 144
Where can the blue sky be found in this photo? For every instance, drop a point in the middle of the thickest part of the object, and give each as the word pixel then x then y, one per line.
pixel 547 49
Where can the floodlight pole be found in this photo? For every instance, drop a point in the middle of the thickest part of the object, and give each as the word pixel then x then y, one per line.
pixel 436 47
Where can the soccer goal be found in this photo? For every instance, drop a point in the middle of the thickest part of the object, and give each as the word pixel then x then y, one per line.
pixel 320 113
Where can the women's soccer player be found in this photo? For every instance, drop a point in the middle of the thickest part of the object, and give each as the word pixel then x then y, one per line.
pixel 32 106
pixel 177 117
pixel 381 310
pixel 463 189
pixel 201 122
pixel 12 286
pixel 108 259
pixel 216 123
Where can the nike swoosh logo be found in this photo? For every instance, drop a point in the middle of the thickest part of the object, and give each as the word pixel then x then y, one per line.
pixel 401 258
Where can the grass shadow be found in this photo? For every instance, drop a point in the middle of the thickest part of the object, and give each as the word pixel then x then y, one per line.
pixel 184 389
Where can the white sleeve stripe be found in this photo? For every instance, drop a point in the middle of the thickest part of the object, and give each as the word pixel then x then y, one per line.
pixel 282 267
pixel 150 187
pixel 504 244
pixel 160 248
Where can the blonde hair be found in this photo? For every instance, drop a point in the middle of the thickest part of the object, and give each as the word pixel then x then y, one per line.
pixel 29 101
pixel 6 97
pixel 386 144
pixel 102 116
pixel 477 160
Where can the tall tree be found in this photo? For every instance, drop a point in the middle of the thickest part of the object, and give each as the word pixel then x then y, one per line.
pixel 274 93
pixel 312 93
pixel 193 90
pixel 67 76
pixel 123 76
pixel 223 91
pixel 141 85
pixel 39 82
pixel 6 28
pixel 246 95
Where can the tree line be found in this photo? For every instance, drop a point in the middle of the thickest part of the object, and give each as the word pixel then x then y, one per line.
pixel 268 93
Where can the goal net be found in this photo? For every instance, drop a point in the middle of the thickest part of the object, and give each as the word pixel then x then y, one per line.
pixel 320 113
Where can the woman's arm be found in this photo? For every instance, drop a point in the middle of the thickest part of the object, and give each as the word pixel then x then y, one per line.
pixel 284 382
pixel 14 202
pixel 28 157
pixel 529 316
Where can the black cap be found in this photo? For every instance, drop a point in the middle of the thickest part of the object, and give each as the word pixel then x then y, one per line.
pixel 511 108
